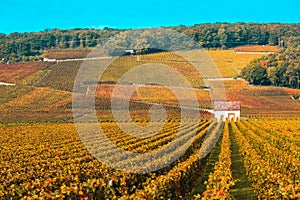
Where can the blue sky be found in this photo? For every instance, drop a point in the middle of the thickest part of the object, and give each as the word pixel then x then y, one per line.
pixel 36 15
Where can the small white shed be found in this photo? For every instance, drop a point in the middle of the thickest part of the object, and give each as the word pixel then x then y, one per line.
pixel 227 110
pixel 131 51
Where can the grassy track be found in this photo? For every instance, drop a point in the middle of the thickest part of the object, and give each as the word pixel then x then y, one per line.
pixel 209 168
pixel 242 188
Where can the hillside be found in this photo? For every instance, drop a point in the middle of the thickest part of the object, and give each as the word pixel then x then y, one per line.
pixel 43 90
pixel 62 75
pixel 23 103
pixel 229 63
pixel 22 73
pixel 48 151
pixel 257 49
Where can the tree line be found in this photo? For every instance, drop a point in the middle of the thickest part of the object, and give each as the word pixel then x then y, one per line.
pixel 280 69
pixel 26 46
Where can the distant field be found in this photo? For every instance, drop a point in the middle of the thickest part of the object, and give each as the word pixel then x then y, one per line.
pixel 40 99
pixel 27 103
pixel 22 73
pixel 229 63
pixel 269 101
pixel 8 93
pixel 257 48
pixel 56 81
pixel 56 54
pixel 72 54
pixel 62 75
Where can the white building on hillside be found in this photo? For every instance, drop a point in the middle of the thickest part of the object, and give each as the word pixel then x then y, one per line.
pixel 227 110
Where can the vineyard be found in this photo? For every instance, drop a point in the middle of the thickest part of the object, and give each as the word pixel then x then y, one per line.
pixel 40 99
pixel 229 63
pixel 226 63
pixel 21 73
pixel 257 48
pixel 27 103
pixel 43 154
pixel 50 161
pixel 67 54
